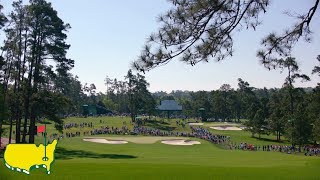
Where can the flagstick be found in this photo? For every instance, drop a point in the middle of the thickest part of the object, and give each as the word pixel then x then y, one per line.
pixel 45 140
pixel 45 158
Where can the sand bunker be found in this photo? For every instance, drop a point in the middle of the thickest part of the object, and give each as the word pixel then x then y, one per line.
pixel 105 141
pixel 180 142
pixel 196 124
pixel 226 128
pixel 138 139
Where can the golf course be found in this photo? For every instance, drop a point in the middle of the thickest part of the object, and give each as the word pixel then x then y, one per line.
pixel 147 90
pixel 145 157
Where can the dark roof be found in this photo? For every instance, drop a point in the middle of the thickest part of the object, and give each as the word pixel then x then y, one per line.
pixel 169 105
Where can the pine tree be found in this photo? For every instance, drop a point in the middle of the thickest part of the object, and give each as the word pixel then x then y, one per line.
pixel 34 35
pixel 203 30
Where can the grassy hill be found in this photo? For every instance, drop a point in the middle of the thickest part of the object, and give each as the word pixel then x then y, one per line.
pixel 77 159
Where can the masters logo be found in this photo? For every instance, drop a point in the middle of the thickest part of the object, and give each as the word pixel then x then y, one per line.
pixel 25 157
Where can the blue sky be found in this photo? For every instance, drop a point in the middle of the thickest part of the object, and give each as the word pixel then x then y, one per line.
pixel 106 36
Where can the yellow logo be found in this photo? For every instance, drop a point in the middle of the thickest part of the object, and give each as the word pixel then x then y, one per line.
pixel 25 157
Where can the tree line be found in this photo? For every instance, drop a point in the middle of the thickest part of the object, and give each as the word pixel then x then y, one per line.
pixel 36 83
pixel 34 69
pixel 287 111
pixel 194 31
pixel 264 111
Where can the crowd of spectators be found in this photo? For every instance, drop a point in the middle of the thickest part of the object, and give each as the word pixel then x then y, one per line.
pixel 311 151
pixel 141 130
pixel 202 133
pixel 196 131
pixel 76 125
pixel 110 130
pixel 307 150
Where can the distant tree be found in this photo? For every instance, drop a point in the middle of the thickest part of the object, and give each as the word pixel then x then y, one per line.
pixel 300 127
pixel 259 125
pixel 313 112
pixel 316 69
pixel 293 124
pixel 201 30
pixel 293 69
pixel 110 104
pixel 74 91
pixel 91 92
pixel 247 97
pixel 200 99
pixel 316 130
pixel 117 95
pixel 236 106
pixel 225 89
pixel 107 82
pixel 218 105
pixel 277 118
pixel 100 103
pixel 254 116
pixel 253 109
pixel 150 104
pixel 51 106
pixel 314 106
pixel 168 97
pixel 140 99
pixel 187 107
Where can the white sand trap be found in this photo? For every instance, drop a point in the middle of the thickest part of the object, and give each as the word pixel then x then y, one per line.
pixel 137 139
pixel 226 128
pixel 105 141
pixel 196 124
pixel 181 142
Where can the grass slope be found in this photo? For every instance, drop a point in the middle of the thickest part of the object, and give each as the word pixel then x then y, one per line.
pixel 76 159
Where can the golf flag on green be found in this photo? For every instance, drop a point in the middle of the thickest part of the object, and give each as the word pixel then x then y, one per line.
pixel 41 129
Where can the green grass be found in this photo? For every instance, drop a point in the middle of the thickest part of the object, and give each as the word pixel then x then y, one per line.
pixel 245 136
pixel 76 159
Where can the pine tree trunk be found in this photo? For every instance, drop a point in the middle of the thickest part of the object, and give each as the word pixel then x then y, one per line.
pixel 35 90
pixel 0 131
pixel 26 107
pixel 10 131
pixel 32 126
pixel 17 84
pixel 27 101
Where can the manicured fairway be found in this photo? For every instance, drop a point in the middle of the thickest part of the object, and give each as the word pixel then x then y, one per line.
pixel 77 159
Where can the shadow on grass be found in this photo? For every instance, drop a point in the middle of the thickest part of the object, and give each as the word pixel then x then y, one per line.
pixel 270 140
pixel 157 122
pixel 159 125
pixel 64 154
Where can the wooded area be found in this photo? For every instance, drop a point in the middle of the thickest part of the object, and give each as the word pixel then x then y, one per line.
pixel 33 89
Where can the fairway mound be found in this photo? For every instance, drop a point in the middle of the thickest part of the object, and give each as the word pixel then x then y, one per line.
pixel 181 142
pixel 196 124
pixel 226 128
pixel 105 141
